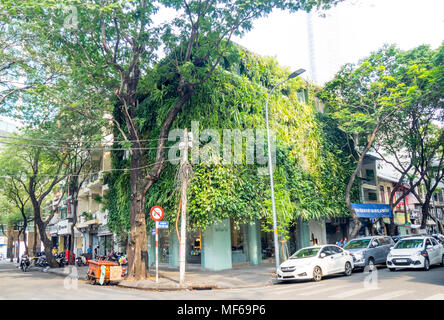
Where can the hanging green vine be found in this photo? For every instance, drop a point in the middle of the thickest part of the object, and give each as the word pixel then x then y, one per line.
pixel 313 162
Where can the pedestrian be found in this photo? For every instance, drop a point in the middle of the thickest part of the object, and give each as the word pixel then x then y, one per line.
pixel 339 243
pixel 89 252
pixel 54 251
pixel 96 252
pixel 344 242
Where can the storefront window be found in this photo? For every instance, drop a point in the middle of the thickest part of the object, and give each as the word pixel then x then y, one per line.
pixel 194 246
pixel 106 244
pixel 239 243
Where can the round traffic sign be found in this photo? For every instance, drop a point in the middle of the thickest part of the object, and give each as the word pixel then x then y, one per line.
pixel 156 213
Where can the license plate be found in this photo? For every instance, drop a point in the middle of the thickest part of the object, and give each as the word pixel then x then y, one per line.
pixel 401 260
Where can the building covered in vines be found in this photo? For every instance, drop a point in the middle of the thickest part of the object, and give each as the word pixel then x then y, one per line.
pixel 229 217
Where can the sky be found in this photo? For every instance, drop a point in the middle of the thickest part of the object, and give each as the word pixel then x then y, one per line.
pixel 349 32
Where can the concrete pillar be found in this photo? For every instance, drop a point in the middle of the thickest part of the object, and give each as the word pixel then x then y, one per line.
pixel 254 243
pixel 302 234
pixel 61 243
pixel 217 247
pixel 173 254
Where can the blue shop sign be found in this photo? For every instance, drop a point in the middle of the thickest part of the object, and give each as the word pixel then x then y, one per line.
pixel 365 210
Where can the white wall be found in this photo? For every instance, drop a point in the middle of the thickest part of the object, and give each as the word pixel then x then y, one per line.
pixel 318 230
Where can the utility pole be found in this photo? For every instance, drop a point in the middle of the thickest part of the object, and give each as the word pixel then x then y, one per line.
pixel 184 171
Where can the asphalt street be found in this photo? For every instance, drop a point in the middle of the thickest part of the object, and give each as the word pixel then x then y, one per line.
pixel 382 285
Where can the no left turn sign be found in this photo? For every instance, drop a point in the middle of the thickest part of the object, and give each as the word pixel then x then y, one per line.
pixel 156 213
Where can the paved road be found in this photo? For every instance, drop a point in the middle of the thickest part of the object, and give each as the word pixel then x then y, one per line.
pixel 384 285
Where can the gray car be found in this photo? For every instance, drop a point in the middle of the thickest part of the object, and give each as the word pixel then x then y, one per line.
pixel 369 251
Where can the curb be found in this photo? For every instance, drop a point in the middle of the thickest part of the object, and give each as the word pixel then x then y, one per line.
pixel 190 286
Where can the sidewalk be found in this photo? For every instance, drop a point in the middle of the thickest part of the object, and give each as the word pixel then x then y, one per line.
pixel 196 278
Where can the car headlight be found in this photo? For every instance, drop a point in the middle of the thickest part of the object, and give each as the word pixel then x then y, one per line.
pixel 389 255
pixel 358 256
pixel 419 253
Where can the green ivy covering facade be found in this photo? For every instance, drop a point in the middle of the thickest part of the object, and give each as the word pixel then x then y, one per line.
pixel 313 160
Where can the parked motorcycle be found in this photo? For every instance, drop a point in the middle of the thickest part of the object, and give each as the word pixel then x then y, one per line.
pixel 42 262
pixel 25 262
pixel 82 260
pixel 60 258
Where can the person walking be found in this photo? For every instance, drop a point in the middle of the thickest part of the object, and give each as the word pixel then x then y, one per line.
pixel 89 252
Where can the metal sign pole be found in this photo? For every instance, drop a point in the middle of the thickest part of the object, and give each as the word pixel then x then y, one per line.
pixel 157 251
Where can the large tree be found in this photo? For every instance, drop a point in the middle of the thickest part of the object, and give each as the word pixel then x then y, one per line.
pixel 410 142
pixel 364 98
pixel 111 44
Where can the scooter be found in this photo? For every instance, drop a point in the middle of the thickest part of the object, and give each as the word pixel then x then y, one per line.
pixel 82 260
pixel 42 262
pixel 25 262
pixel 61 260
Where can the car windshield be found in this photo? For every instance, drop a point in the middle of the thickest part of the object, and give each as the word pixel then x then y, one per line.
pixel 357 244
pixel 409 244
pixel 305 253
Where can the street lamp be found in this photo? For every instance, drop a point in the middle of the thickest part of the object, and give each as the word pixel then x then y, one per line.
pixel 270 169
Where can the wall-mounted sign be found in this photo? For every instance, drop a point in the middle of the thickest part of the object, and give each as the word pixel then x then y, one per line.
pixel 366 210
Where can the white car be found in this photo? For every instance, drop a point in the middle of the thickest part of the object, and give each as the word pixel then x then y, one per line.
pixel 415 252
pixel 316 262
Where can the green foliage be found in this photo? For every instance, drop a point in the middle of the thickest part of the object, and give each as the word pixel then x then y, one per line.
pixel 313 162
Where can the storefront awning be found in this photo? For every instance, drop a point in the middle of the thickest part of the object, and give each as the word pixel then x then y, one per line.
pixel 366 210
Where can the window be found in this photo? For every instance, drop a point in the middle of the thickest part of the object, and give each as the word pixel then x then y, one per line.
pixel 372 196
pixel 440 196
pixel 370 173
pixel 381 191
pixel 378 242
pixel 330 250
pixel 305 253
pixel 336 249
pixel 409 244
pixel 357 244
pixel 434 242
pixel 389 192
pixel 428 243
pixel 301 96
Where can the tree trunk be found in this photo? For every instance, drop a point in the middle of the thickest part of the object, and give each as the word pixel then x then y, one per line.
pixel 74 221
pixel 138 244
pixel 357 224
pixel 34 247
pixel 425 213
pixel 47 244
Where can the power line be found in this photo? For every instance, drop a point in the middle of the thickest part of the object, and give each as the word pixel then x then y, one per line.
pixel 85 174
pixel 80 149
pixel 79 141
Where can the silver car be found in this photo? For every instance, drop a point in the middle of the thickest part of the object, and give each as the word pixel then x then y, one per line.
pixel 369 251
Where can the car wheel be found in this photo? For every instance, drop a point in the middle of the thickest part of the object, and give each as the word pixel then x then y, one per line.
pixel 348 269
pixel 426 264
pixel 371 264
pixel 317 274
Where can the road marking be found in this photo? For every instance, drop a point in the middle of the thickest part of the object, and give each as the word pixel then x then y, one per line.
pixel 314 292
pixel 347 294
pixel 439 296
pixel 391 295
pixel 294 289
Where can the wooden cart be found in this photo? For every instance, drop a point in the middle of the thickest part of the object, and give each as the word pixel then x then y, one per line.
pixel 112 272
